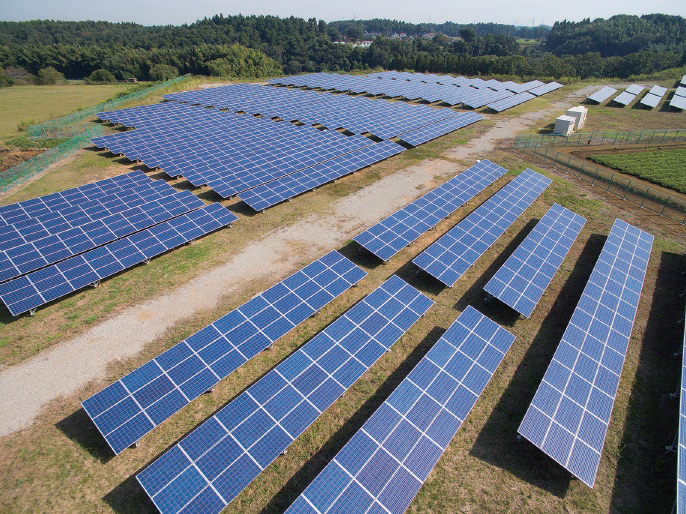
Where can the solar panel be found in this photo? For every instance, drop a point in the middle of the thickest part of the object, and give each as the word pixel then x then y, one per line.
pixel 658 91
pixel 522 280
pixel 679 102
pixel 570 413
pixel 602 94
pixel 455 252
pixel 27 292
pixel 290 186
pixel 546 88
pixel 681 451
pixel 37 253
pixel 429 132
pixel 131 407
pixel 634 89
pixel 683 80
pixel 384 465
pixel 394 233
pixel 680 91
pixel 512 101
pixel 624 98
pixel 650 100
pixel 207 469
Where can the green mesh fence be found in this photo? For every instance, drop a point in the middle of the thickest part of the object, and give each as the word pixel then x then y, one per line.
pixel 669 206
pixel 72 124
pixel 27 169
pixel 601 138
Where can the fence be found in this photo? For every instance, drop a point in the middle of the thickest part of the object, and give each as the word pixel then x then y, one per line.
pixel 35 165
pixel 601 138
pixel 70 124
pixel 669 206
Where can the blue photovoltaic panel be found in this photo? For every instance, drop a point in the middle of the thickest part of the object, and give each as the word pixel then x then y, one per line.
pixel 384 465
pixel 545 88
pixel 526 274
pixel 634 89
pixel 455 252
pixel 680 91
pixel 207 469
pixel 38 252
pixel 602 94
pixel 571 410
pixel 290 186
pixel 40 287
pixel 512 101
pixel 681 452
pixel 650 100
pixel 131 407
pixel 429 132
pixel 624 98
pixel 394 233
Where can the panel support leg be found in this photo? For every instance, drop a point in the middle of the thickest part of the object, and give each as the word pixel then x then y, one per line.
pixel 32 311
pixel 95 284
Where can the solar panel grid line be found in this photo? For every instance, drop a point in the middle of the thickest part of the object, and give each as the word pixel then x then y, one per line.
pixel 217 350
pixel 385 463
pixel 455 252
pixel 523 278
pixel 571 410
pixel 216 461
pixel 27 292
pixel 395 232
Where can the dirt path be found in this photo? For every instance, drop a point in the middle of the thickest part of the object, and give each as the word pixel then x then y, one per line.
pixel 27 386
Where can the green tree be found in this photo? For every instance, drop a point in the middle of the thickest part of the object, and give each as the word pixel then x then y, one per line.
pixel 468 34
pixel 5 80
pixel 162 72
pixel 49 76
pixel 101 76
pixel 354 33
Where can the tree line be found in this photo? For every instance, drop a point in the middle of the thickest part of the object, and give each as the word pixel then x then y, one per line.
pixel 259 46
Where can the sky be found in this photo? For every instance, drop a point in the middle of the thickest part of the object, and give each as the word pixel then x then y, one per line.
pixel 156 12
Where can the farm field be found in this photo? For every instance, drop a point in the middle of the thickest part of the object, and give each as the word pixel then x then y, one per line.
pixel 61 463
pixel 41 103
pixel 665 167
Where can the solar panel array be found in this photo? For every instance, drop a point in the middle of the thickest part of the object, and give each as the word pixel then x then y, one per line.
pixel 634 89
pixel 522 280
pixel 512 101
pixel 394 233
pixel 683 81
pixel 207 469
pixel 429 132
pixel 358 115
pixel 679 99
pixel 570 413
pixel 132 406
pixel 384 465
pixel 650 100
pixel 658 91
pixel 472 93
pixel 28 292
pixel 602 94
pixel 546 88
pixel 455 252
pixel 624 98
pixel 229 152
pixel 681 450
pixel 289 186
pixel 680 91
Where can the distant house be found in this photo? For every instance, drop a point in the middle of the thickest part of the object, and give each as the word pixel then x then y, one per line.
pixel 132 79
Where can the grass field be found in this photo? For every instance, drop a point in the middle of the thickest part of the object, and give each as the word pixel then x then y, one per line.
pixel 42 103
pixel 665 167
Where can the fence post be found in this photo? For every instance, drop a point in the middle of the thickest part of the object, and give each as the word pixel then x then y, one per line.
pixel 644 197
pixel 626 189
pixel 665 205
pixel 610 184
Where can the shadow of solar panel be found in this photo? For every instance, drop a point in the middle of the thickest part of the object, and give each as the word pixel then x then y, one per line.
pixel 30 291
pixel 602 94
pixel 394 233
pixel 290 186
pixel 455 252
pixel 570 413
pixel 522 280
pixel 386 462
pixel 228 451
pixel 131 407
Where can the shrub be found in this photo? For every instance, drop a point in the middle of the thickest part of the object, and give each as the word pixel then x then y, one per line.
pixel 100 76
pixel 49 76
pixel 162 72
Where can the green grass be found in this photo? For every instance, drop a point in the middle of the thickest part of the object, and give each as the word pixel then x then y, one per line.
pixel 35 104
pixel 666 167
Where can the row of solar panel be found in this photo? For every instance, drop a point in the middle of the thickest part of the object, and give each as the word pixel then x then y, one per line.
pixel 358 115
pixel 40 287
pixel 478 83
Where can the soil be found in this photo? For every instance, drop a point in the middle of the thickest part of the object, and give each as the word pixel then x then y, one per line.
pixel 10 159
